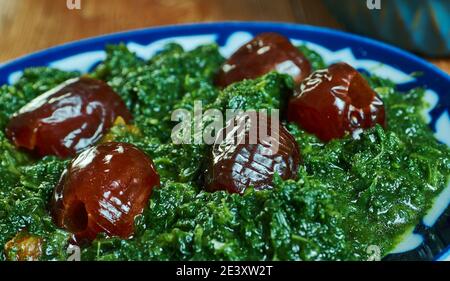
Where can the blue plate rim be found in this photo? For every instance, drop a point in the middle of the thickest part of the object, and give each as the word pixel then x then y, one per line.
pixel 67 49
pixel 16 63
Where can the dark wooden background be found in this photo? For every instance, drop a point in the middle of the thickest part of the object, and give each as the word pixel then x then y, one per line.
pixel 31 25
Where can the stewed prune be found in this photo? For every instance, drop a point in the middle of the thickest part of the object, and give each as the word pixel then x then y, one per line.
pixel 335 101
pixel 103 190
pixel 248 151
pixel 264 53
pixel 66 119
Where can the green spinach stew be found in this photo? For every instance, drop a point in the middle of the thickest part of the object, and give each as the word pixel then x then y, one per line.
pixel 88 160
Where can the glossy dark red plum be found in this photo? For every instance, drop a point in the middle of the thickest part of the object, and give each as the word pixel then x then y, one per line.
pixel 66 119
pixel 103 190
pixel 241 158
pixel 266 52
pixel 335 101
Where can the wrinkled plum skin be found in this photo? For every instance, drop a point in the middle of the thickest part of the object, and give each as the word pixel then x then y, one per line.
pixel 235 166
pixel 103 190
pixel 264 53
pixel 335 101
pixel 66 119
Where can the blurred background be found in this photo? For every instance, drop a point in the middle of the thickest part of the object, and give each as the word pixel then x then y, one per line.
pixel 422 26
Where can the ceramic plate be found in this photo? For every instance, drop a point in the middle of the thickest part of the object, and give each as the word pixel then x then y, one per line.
pixel 431 238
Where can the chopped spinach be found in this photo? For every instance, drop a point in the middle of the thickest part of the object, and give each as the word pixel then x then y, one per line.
pixel 350 193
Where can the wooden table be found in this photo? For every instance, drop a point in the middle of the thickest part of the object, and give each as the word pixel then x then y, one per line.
pixel 28 25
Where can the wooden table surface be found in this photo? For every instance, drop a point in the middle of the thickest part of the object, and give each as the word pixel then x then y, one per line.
pixel 29 25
